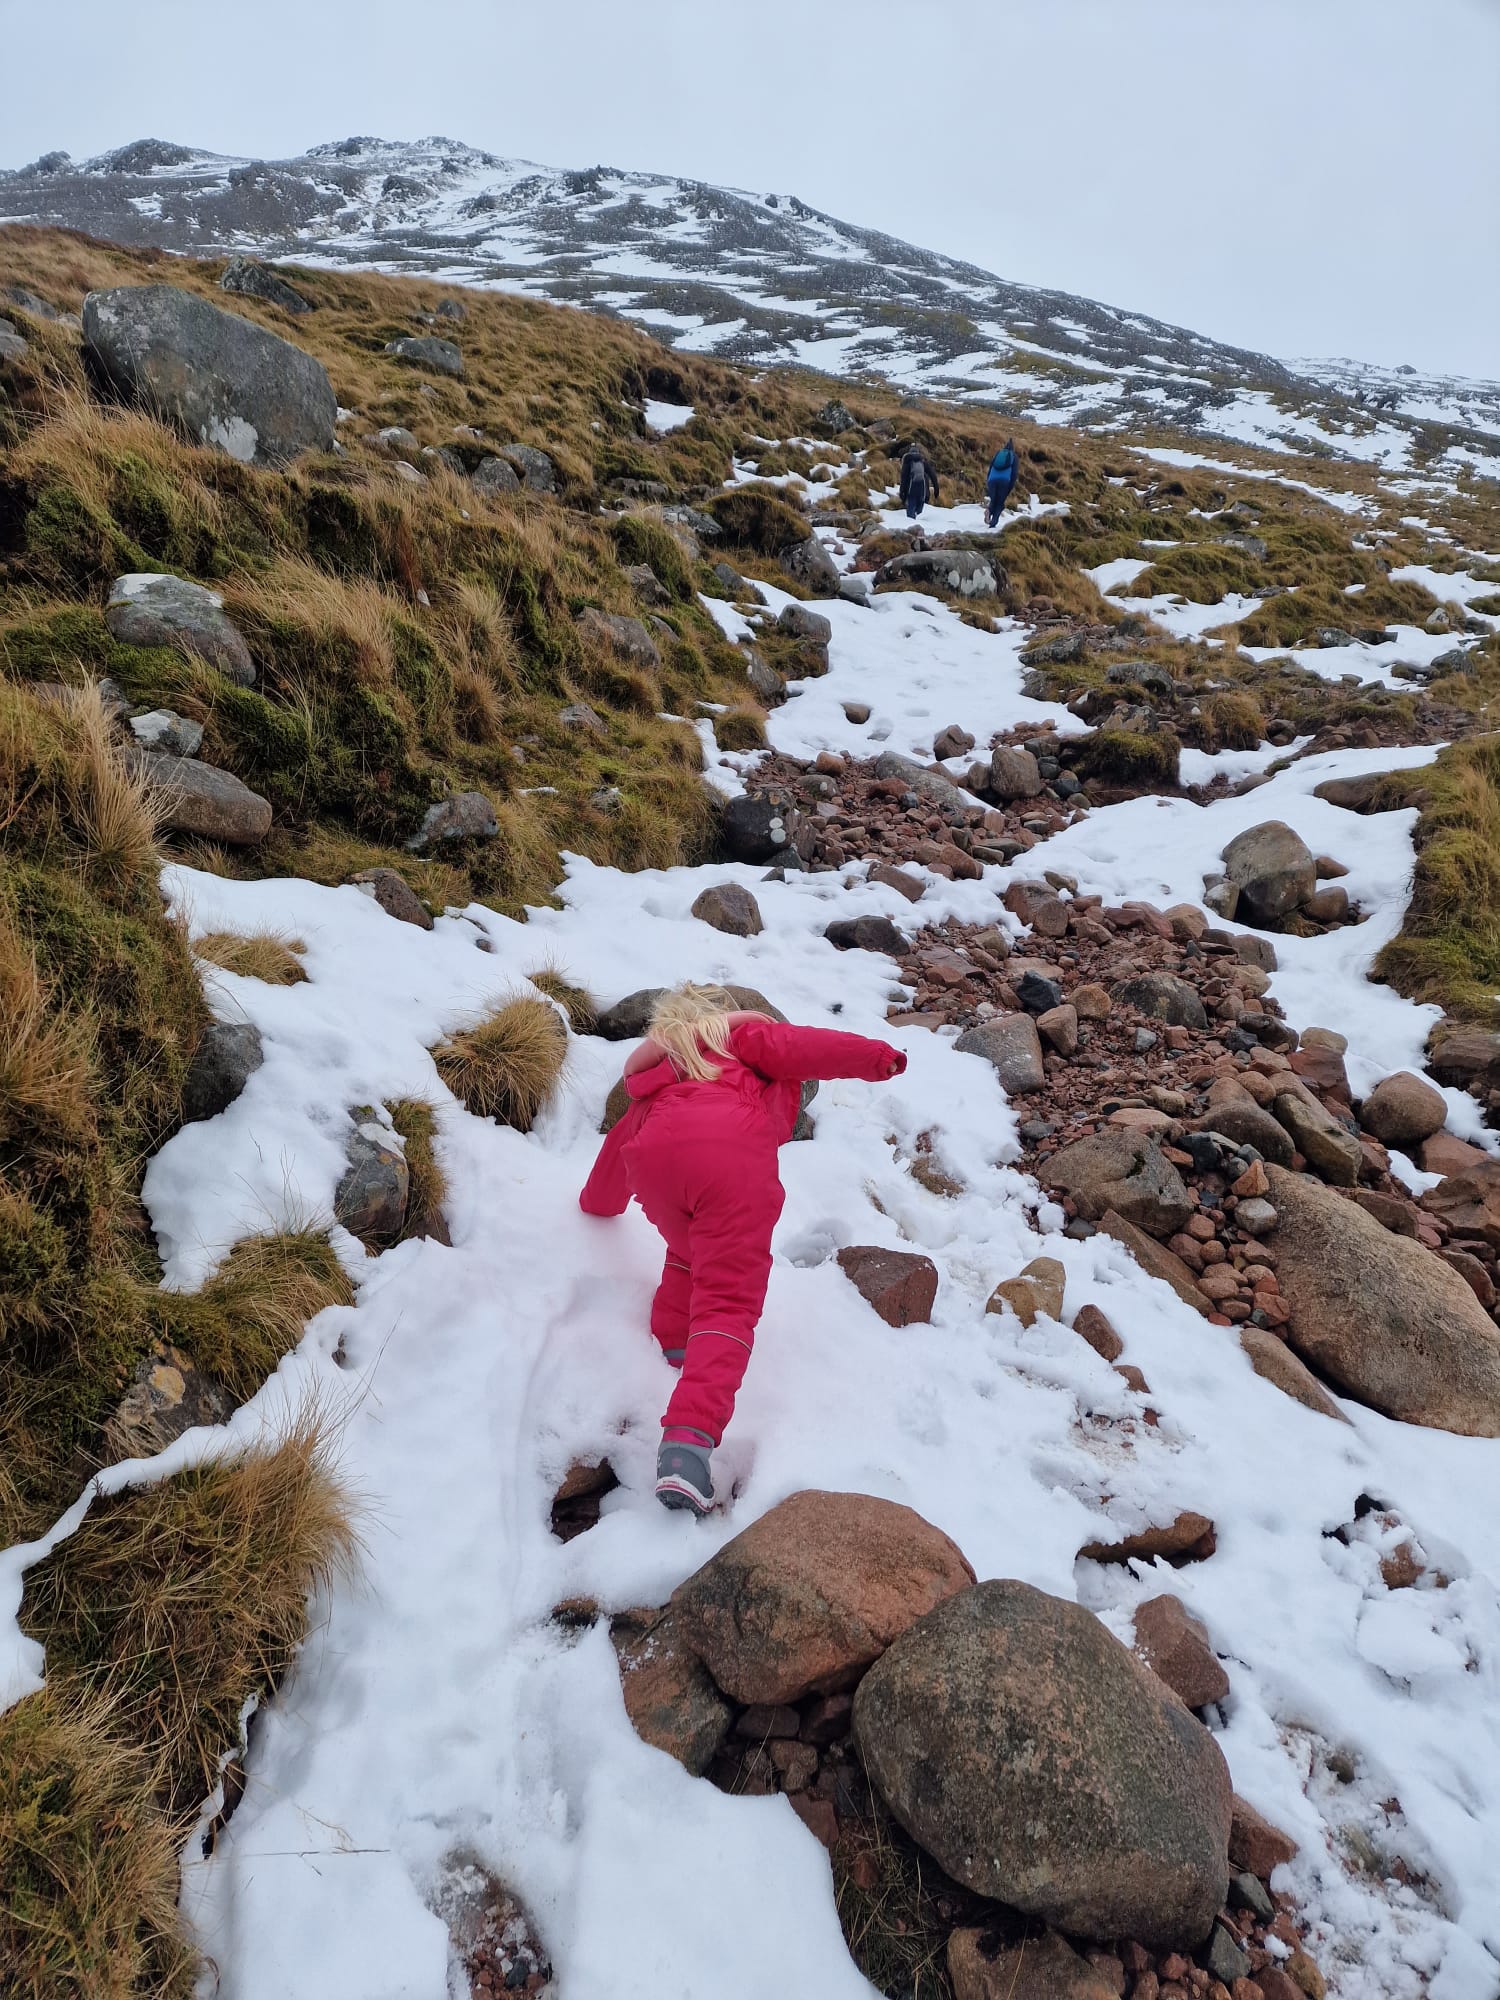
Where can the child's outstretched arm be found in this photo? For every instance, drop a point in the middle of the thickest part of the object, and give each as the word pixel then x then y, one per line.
pixel 789 1054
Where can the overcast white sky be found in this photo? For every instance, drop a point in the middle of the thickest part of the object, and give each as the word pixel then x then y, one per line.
pixel 1310 177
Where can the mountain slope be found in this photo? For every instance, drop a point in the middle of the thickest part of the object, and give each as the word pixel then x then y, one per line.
pixel 760 278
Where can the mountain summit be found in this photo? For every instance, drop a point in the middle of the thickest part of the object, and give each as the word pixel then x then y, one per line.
pixel 753 277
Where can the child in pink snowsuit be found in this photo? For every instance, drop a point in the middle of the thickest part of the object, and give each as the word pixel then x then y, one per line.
pixel 714 1092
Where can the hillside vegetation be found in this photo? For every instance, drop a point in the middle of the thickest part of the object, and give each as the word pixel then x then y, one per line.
pixel 417 635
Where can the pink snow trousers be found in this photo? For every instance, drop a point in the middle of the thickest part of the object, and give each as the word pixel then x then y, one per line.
pixel 704 1170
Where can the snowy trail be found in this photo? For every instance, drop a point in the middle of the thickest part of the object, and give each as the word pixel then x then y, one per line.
pixel 438 1716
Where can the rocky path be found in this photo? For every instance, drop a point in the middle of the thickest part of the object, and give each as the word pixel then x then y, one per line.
pixel 1120 1423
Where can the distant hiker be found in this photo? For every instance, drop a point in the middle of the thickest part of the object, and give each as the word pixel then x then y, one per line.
pixel 919 482
pixel 714 1091
pixel 1000 478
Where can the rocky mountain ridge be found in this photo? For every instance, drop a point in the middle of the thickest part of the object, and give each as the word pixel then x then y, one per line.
pixel 761 278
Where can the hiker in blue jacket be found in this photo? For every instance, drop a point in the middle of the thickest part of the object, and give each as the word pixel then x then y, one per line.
pixel 998 481
pixel 918 480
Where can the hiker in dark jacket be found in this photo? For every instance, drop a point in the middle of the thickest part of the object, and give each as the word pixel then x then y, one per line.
pixel 919 482
pixel 998 481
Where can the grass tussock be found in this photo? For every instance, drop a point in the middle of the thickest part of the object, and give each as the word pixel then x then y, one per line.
pixel 88 1860
pixel 1123 757
pixel 1232 722
pixel 508 1066
pixel 263 955
pixel 1448 950
pixel 415 1123
pixel 740 729
pixel 175 1603
pixel 256 1306
pixel 580 1006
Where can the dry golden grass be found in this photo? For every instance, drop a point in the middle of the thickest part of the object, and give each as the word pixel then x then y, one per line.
pixel 266 955
pixel 580 1006
pixel 45 1054
pixel 116 811
pixel 416 1124
pixel 256 1306
pixel 508 1066
pixel 740 729
pixel 176 1602
pixel 88 1860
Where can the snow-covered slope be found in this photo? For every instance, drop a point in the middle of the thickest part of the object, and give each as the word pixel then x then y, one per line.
pixel 758 277
pixel 439 1716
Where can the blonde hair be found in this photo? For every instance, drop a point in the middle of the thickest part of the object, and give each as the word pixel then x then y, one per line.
pixel 692 1024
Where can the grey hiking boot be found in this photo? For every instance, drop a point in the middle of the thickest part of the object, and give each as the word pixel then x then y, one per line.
pixel 683 1479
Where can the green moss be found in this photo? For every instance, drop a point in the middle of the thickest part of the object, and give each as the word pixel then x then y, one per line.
pixel 68 644
pixel 71 541
pixel 758 518
pixel 1449 947
pixel 1233 722
pixel 740 729
pixel 1121 757
pixel 639 539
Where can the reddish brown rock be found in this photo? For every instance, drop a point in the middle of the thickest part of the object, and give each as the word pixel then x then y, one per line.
pixel 898 879
pixel 670 1699
pixel 1469 1203
pixel 807 1596
pixel 1189 1538
pixel 1122 1171
pixel 1402 1111
pixel 729 908
pixel 1058 1027
pixel 1037 1291
pixel 1380 1316
pixel 1174 1644
pixel 900 1285
pixel 1090 1324
pixel 395 895
pixel 1275 1362
pixel 1445 1154
pixel 1157 1259
pixel 1254 1844
pixel 817 1815
pixel 981 1967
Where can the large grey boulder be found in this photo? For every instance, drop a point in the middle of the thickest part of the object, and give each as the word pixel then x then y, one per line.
pixel 425 350
pixel 146 608
pixel 800 623
pixel 496 475
pixel 962 570
pixel 1380 1316
pixel 200 799
pixel 1164 997
pixel 1327 1146
pixel 758 828
pixel 223 1063
pixel 395 895
pixel 163 729
pixel 810 564
pixel 934 785
pixel 1272 868
pixel 538 473
pixel 223 380
pixel 260 281
pixel 626 637
pixel 464 816
pixel 1011 1045
pixel 1040 1763
pixel 1123 1171
pixel 13 343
